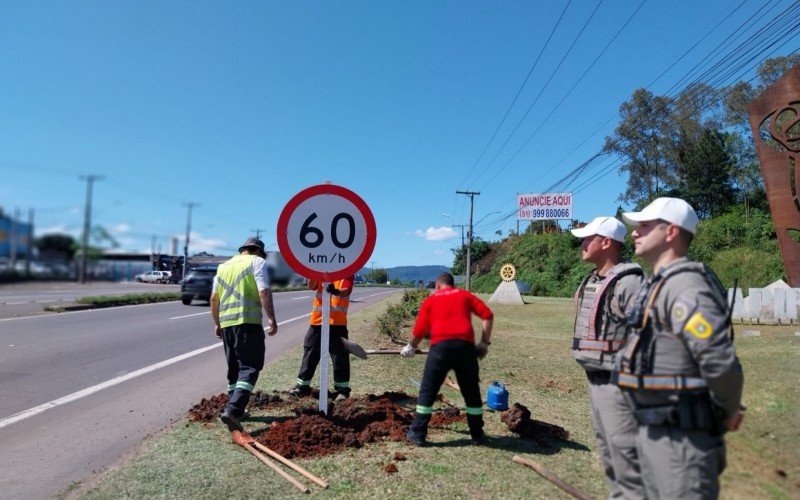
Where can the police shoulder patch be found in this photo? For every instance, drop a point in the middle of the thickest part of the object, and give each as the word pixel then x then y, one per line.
pixel 698 326
pixel 679 312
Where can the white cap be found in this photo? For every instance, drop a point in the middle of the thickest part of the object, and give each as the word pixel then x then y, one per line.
pixel 673 210
pixel 603 226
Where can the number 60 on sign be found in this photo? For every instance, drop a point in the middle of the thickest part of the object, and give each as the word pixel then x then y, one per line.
pixel 326 232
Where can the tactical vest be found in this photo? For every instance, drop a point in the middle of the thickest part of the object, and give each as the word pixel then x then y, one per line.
pixel 636 370
pixel 599 334
pixel 239 299
pixel 339 307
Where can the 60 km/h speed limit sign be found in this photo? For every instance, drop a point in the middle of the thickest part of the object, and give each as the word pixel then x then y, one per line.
pixel 326 232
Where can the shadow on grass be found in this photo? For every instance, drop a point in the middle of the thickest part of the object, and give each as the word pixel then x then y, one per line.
pixel 516 444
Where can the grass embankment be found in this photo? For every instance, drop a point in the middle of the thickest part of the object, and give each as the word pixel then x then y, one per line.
pixel 100 301
pixel 530 354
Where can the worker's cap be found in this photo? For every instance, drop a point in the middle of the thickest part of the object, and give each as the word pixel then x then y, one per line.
pixel 672 210
pixel 608 227
pixel 252 243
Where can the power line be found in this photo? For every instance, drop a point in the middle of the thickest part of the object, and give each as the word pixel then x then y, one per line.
pixel 541 91
pixel 521 87
pixel 728 57
pixel 569 92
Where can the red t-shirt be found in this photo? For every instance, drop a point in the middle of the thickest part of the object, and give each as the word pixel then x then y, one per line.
pixel 447 315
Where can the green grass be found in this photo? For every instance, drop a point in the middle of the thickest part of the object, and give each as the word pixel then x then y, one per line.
pixel 129 299
pixel 530 354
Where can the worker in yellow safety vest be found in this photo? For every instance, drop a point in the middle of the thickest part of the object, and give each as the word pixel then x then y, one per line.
pixel 241 290
pixel 340 301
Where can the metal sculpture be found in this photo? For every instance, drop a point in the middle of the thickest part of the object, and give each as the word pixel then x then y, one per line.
pixel 775 120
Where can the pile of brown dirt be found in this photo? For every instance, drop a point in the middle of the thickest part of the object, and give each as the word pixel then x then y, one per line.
pixel 518 419
pixel 350 423
pixel 207 410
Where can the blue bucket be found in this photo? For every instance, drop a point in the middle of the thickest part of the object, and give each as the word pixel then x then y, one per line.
pixel 497 397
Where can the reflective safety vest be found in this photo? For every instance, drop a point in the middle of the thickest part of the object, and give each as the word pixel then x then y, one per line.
pixel 636 369
pixel 339 307
pixel 239 301
pixel 599 335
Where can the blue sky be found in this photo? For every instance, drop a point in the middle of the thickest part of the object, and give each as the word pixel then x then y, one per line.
pixel 239 105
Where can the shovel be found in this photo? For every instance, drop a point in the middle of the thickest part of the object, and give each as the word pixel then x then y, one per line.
pixel 360 352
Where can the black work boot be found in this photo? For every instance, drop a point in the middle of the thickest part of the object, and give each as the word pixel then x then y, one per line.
pixel 300 391
pixel 232 422
pixel 418 430
pixel 475 423
pixel 342 394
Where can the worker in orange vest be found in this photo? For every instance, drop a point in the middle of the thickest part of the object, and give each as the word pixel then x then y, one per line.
pixel 340 300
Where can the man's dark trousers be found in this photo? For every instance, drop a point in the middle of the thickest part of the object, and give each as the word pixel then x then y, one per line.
pixel 457 355
pixel 244 351
pixel 312 346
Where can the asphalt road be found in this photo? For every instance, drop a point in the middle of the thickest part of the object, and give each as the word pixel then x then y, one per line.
pixel 28 299
pixel 80 389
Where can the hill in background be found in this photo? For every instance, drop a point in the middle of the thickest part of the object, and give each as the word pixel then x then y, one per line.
pixel 404 274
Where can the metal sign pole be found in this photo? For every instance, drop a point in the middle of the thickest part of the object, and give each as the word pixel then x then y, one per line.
pixel 324 356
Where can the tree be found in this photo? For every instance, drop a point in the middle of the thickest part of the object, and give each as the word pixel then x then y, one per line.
pixel 378 275
pixel 645 138
pixel 479 250
pixel 57 246
pixel 705 174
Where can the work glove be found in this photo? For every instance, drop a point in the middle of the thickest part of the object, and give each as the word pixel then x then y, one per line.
pixel 331 289
pixel 408 351
pixel 481 349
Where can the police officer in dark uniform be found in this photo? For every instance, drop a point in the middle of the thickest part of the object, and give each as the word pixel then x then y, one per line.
pixel 678 368
pixel 601 327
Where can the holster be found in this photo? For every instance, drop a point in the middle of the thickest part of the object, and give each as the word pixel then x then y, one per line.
pixel 694 412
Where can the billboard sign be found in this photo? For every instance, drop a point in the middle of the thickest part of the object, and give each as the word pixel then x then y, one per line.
pixel 544 206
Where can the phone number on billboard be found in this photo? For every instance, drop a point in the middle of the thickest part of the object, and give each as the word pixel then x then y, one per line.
pixel 551 213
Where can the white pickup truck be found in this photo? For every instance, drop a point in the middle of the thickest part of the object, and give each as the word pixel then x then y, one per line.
pixel 153 277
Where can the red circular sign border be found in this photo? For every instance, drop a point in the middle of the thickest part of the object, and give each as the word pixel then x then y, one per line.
pixel 283 225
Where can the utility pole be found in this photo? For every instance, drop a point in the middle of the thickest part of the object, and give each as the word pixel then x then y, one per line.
pixel 13 240
pixel 373 272
pixel 471 195
pixel 87 222
pixel 153 260
pixel 258 232
pixel 461 226
pixel 29 247
pixel 189 206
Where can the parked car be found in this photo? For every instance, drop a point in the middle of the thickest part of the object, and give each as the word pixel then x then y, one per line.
pixel 430 284
pixel 154 277
pixel 197 284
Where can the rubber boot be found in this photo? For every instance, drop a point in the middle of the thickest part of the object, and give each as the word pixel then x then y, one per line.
pixel 475 423
pixel 418 430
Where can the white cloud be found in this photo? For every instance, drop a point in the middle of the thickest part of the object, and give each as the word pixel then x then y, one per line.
pixel 439 252
pixel 197 243
pixel 436 233
pixel 119 229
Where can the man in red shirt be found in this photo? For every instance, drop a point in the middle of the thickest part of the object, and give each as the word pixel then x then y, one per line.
pixel 447 316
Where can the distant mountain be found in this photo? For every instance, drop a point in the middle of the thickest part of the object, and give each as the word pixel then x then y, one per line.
pixel 411 273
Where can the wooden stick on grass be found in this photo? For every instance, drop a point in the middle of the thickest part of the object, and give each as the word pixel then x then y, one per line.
pixel 277 469
pixel 290 464
pixel 552 478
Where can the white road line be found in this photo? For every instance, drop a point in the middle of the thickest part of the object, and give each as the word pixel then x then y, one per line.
pixel 303 297
pixel 18 417
pixel 190 315
pixel 380 293
pixel 15 303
